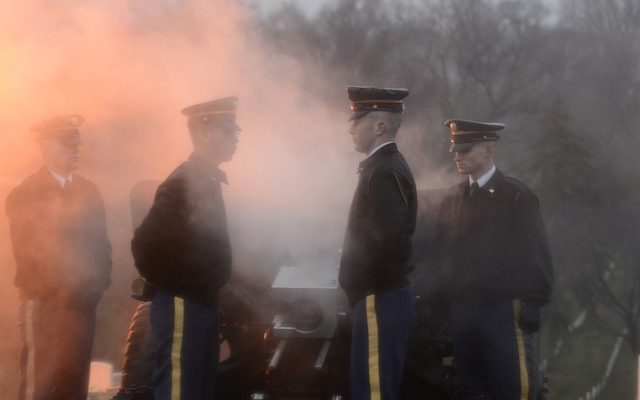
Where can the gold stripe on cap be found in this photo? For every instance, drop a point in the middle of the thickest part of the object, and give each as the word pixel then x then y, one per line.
pixel 377 101
pixel 473 133
pixel 202 114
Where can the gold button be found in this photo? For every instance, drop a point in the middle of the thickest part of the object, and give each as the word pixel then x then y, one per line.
pixel 492 191
pixel 375 106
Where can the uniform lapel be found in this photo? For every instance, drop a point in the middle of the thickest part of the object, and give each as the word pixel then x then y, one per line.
pixel 492 187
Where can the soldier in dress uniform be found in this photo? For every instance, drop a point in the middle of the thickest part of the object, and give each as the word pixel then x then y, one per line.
pixel 63 265
pixel 495 247
pixel 182 248
pixel 377 246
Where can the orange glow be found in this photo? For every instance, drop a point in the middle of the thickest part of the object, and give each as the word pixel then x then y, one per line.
pixel 100 376
pixel 129 67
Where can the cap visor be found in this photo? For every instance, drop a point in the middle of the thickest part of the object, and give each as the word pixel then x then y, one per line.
pixel 224 125
pixel 67 134
pixel 358 115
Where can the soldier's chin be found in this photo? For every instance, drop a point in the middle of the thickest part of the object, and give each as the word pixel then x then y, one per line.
pixel 464 170
pixel 229 156
pixel 73 165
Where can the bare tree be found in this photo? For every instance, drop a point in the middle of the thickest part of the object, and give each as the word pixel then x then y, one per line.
pixel 568 88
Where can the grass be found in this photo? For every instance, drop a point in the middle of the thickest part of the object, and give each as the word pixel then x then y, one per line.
pixel 582 364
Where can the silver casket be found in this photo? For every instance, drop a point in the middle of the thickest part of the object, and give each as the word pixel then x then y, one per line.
pixel 306 300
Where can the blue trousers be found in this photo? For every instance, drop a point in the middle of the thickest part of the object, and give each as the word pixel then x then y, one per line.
pixel 380 326
pixel 493 356
pixel 186 335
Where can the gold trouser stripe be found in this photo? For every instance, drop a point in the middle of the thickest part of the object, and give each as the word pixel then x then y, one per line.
pixel 374 101
pixel 522 357
pixel 176 347
pixel 31 350
pixel 374 359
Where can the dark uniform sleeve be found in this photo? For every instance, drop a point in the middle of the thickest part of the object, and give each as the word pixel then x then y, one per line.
pixel 103 246
pixel 22 228
pixel 389 211
pixel 533 250
pixel 160 238
pixel 389 206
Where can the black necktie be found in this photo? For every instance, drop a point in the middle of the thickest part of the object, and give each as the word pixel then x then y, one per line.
pixel 474 188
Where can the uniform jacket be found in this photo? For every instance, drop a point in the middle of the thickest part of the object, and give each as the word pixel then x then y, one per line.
pixel 494 244
pixel 377 246
pixel 59 238
pixel 182 245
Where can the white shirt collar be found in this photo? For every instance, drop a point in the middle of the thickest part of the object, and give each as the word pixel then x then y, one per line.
pixel 372 152
pixel 484 178
pixel 61 179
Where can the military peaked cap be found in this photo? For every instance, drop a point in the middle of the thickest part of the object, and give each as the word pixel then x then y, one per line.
pixel 215 112
pixel 61 126
pixel 365 99
pixel 465 133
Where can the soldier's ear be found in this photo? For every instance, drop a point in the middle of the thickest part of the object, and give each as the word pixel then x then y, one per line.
pixel 380 127
pixel 205 137
pixel 45 147
pixel 490 149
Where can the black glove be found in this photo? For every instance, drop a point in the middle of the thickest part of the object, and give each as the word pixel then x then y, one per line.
pixel 530 317
pixel 142 289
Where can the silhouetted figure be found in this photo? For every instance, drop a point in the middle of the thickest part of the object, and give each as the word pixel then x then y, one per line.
pixel 495 249
pixel 63 265
pixel 377 246
pixel 182 248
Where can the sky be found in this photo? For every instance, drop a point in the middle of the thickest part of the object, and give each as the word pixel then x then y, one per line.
pixel 311 6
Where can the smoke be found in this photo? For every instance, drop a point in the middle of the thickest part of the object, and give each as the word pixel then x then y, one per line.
pixel 128 67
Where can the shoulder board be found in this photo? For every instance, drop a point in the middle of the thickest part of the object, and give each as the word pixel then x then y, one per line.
pixel 519 185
